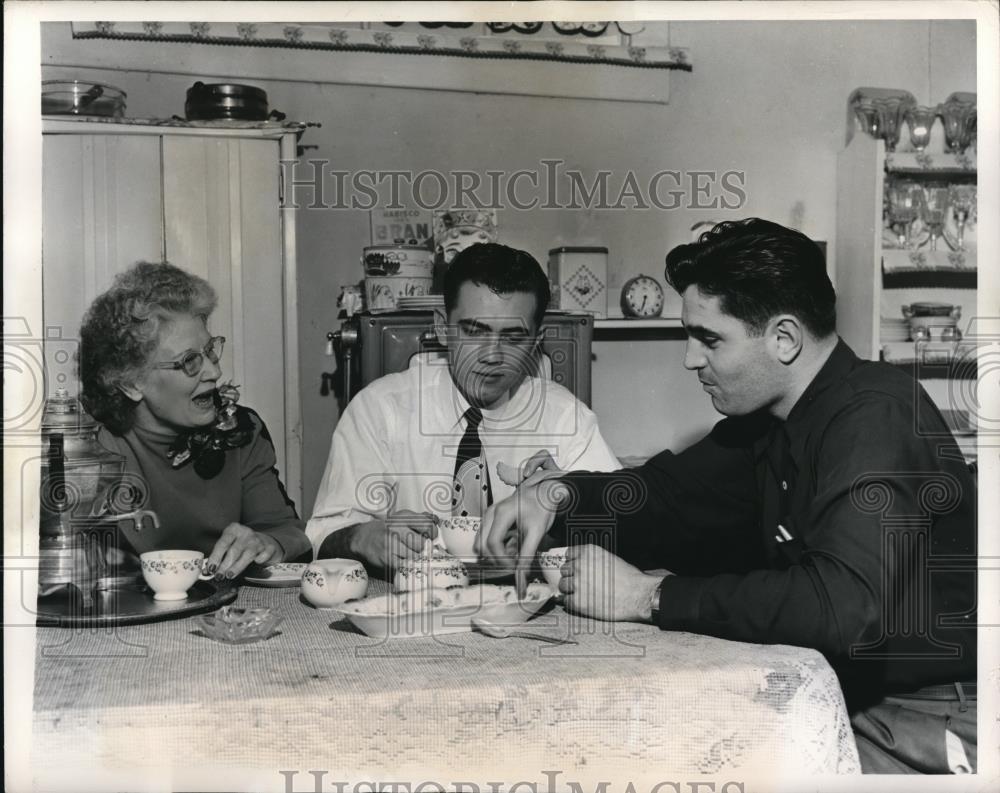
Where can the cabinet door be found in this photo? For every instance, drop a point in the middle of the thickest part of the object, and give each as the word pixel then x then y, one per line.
pixel 101 213
pixel 221 221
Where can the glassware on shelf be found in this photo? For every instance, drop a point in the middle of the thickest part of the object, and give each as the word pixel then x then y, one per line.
pixel 904 201
pixel 963 206
pixel 920 120
pixel 934 212
pixel 890 116
pixel 879 112
pixel 959 117
pixel 969 129
pixel 867 115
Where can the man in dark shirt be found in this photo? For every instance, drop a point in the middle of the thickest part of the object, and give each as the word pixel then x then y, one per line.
pixel 830 509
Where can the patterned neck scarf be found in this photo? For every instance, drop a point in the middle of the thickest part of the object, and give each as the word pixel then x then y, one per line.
pixel 206 448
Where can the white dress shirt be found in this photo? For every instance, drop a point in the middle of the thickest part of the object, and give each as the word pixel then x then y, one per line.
pixel 395 445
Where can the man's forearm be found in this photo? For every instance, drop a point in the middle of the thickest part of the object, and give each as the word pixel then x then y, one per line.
pixel 338 544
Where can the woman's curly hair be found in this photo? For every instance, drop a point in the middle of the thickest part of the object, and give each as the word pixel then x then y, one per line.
pixel 121 329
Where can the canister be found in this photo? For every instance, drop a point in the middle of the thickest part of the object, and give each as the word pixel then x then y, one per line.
pixel 394 271
pixel 579 279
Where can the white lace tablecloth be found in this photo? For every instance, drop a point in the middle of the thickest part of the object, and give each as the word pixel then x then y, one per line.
pixel 161 700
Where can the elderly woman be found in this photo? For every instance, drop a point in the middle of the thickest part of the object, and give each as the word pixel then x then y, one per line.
pixel 150 373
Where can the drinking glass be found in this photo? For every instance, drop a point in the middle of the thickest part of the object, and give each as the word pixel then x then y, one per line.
pixel 969 128
pixel 920 119
pixel 904 205
pixel 934 212
pixel 958 119
pixel 963 204
pixel 868 116
pixel 890 116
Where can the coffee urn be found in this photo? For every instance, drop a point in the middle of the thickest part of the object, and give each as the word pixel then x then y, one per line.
pixel 81 490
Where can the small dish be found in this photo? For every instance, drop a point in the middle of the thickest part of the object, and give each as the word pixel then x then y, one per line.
pixel 231 625
pixel 277 575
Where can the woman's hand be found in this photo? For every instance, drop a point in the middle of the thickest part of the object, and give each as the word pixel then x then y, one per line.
pixel 238 546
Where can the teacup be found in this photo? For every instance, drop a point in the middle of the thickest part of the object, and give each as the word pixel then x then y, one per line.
pixel 459 535
pixel 436 571
pixel 329 582
pixel 170 574
pixel 551 562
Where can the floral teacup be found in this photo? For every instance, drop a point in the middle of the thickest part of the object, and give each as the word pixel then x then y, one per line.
pixel 329 582
pixel 170 574
pixel 459 535
pixel 437 571
pixel 551 562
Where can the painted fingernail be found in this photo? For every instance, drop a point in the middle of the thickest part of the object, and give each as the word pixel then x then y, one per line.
pixel 230 574
pixel 219 577
pixel 210 568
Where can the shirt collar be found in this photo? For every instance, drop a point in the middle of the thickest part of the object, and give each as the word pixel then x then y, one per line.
pixel 454 404
pixel 801 417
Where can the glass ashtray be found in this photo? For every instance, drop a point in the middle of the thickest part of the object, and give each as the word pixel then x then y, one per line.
pixel 231 625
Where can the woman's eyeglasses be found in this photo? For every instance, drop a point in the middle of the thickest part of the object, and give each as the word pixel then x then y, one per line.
pixel 192 362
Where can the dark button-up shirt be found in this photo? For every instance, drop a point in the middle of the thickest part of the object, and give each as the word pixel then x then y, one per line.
pixel 849 528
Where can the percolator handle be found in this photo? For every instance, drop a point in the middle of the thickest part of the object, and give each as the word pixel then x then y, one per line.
pixel 57 472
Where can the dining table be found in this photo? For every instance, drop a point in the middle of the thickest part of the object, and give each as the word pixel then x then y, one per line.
pixel 320 705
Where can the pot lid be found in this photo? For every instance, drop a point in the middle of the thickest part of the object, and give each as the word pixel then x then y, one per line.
pixel 229 89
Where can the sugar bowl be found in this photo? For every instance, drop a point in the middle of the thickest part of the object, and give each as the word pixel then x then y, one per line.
pixel 327 583
pixel 436 570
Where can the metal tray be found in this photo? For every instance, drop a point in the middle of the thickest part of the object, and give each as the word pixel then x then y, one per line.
pixel 131 605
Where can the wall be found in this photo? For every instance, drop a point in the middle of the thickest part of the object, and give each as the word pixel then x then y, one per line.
pixel 764 98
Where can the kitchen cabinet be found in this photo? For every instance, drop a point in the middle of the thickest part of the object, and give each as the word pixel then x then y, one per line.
pixel 884 264
pixel 205 198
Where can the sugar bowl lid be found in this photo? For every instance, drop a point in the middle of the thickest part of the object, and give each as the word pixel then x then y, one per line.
pixel 64 413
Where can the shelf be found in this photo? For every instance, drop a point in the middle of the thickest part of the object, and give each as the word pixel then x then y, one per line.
pixel 84 125
pixel 622 329
pixel 964 370
pixel 615 323
pixel 930 279
pixel 932 164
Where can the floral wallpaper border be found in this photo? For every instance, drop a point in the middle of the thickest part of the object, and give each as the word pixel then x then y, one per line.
pixel 442 41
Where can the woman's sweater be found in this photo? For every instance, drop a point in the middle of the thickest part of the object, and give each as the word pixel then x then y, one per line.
pixel 192 511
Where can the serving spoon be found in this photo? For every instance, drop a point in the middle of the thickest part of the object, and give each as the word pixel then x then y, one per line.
pixel 499 632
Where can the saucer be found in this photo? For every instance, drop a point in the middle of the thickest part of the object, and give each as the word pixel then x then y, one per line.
pixel 281 574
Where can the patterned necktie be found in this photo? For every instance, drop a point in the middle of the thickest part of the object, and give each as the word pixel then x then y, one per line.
pixel 472 491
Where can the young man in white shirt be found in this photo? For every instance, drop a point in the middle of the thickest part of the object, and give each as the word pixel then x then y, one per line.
pixel 392 467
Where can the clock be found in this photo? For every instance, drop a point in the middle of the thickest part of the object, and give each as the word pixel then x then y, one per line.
pixel 642 298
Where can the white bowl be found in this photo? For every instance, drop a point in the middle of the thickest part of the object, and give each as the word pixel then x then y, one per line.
pixel 436 612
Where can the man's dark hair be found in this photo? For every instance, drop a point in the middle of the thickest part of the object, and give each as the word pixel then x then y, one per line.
pixel 501 269
pixel 758 270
